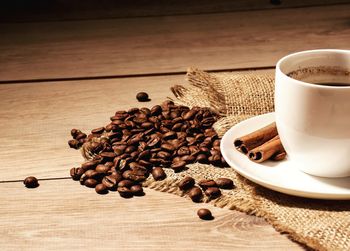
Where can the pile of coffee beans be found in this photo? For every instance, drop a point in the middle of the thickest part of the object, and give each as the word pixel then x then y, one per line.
pixel 141 142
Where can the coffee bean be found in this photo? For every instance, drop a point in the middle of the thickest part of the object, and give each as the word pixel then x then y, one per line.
pixel 189 115
pixel 91 174
pixel 202 158
pixel 91 164
pixel 195 194
pixel 169 135
pixel 178 166
pixel 204 214
pixel 184 150
pixel 124 192
pixel 137 175
pixel 186 183
pixel 145 155
pixel 137 190
pixel 76 173
pixel 108 155
pixel 90 183
pixel 126 174
pixel 125 183
pixel 73 143
pixel 81 136
pixel 74 132
pixel 158 173
pixel 215 160
pixel 224 183
pixel 204 184
pixel 188 158
pixel 212 192
pixel 31 182
pixel 98 130
pixel 163 154
pixel 101 189
pixel 154 142
pixel 145 164
pixel 142 97
pixel 102 168
pixel 110 182
pixel 167 147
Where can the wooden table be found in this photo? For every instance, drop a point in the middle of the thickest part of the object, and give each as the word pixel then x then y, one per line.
pixel 57 75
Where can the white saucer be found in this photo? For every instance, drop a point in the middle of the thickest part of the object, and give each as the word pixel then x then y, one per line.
pixel 282 176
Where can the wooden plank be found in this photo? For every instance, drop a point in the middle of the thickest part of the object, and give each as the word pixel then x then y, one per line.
pixel 34 10
pixel 62 215
pixel 167 44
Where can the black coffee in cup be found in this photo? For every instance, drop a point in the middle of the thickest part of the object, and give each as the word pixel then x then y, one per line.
pixel 323 75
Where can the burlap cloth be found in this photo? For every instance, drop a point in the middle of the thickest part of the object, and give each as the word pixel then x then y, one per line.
pixel 319 224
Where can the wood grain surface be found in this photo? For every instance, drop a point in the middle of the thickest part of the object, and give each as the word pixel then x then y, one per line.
pixel 167 44
pixel 34 10
pixel 62 215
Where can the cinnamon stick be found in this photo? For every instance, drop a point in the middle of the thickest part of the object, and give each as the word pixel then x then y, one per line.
pixel 271 148
pixel 252 140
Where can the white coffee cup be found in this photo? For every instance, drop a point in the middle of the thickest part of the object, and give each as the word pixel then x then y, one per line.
pixel 313 120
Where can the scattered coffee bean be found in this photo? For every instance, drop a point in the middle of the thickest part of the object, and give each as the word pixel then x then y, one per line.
pixel 137 190
pixel 196 194
pixel 110 182
pixel 204 184
pixel 142 97
pixel 73 143
pixel 125 183
pixel 31 182
pixel 101 189
pixel 90 182
pixel 102 168
pixel 205 214
pixel 158 173
pixel 186 183
pixel 212 192
pixel 76 173
pixel 124 192
pixel 224 183
pixel 178 166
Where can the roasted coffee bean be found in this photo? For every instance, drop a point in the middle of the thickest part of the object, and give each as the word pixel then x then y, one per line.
pixel 137 190
pixel 146 125
pixel 224 183
pixel 196 194
pixel 102 168
pixel 133 110
pixel 166 104
pixel 158 173
pixel 110 182
pixel 125 183
pixel 142 97
pixel 81 136
pixel 76 173
pixel 96 147
pixel 163 154
pixel 169 135
pixel 178 166
pixel 202 158
pixel 167 147
pixel 204 214
pixel 73 143
pixel 215 160
pixel 204 184
pixel 74 132
pixel 145 155
pixel 189 115
pixel 91 174
pixel 98 130
pixel 145 164
pixel 108 155
pixel 212 192
pixel 154 142
pixel 188 158
pixel 91 164
pixel 156 110
pixel 126 174
pixel 90 183
pixel 184 150
pixel 186 183
pixel 204 150
pixel 130 149
pixel 124 192
pixel 146 111
pixel 31 182
pixel 101 189
pixel 137 176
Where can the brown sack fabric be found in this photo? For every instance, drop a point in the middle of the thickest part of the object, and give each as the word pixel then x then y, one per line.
pixel 319 224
